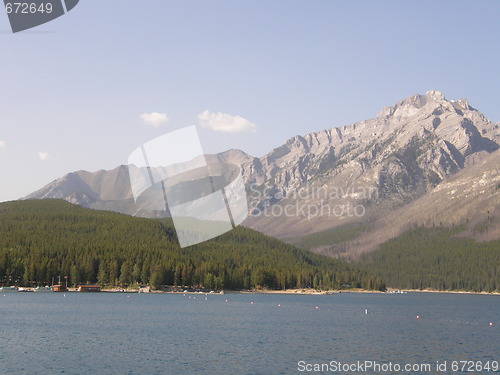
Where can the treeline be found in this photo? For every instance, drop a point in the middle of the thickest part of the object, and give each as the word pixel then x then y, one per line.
pixel 336 236
pixel 437 258
pixel 41 240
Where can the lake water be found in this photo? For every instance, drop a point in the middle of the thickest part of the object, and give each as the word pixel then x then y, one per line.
pixel 148 334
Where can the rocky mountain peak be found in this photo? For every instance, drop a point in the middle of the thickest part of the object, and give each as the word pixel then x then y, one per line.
pixel 403 153
pixel 435 95
pixel 415 104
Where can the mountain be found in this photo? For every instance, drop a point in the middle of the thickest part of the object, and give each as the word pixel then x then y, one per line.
pixel 373 179
pixel 102 190
pixel 446 135
pixel 111 189
pixel 380 164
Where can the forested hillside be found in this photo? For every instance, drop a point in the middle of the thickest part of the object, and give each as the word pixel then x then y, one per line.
pixel 437 258
pixel 44 239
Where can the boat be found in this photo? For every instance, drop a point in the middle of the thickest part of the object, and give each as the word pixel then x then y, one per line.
pixel 42 289
pixel 89 288
pixel 397 292
pixel 59 288
pixel 4 289
pixel 25 289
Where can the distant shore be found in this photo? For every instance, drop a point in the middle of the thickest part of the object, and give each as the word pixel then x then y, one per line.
pixel 452 292
pixel 353 290
pixel 359 290
pixel 308 291
pixel 301 291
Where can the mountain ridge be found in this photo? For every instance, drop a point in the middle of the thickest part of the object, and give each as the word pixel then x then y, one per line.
pixel 402 154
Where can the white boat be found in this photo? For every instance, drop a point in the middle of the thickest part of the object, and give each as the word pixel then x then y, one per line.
pixel 4 289
pixel 25 289
pixel 41 289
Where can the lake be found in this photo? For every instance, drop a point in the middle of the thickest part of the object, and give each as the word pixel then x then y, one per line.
pixel 148 334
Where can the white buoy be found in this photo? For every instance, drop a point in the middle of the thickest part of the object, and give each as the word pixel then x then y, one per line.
pixel 366 311
pixel 491 324
pixel 418 316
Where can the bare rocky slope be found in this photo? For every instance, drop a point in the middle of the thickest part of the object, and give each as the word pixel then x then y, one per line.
pixel 410 164
pixel 379 165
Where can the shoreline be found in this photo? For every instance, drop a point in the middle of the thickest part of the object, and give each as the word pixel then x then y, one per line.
pixel 302 291
pixel 329 292
pixel 452 292
pixel 332 292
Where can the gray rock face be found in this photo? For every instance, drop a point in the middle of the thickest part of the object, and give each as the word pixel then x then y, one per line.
pixel 106 190
pixel 407 149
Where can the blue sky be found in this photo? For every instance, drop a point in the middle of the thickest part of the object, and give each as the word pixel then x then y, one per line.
pixel 73 90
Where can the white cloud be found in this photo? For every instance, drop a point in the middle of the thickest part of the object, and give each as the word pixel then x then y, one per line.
pixel 2 144
pixel 223 122
pixel 43 156
pixel 154 119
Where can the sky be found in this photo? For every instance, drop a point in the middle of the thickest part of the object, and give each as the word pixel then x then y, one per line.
pixel 84 90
